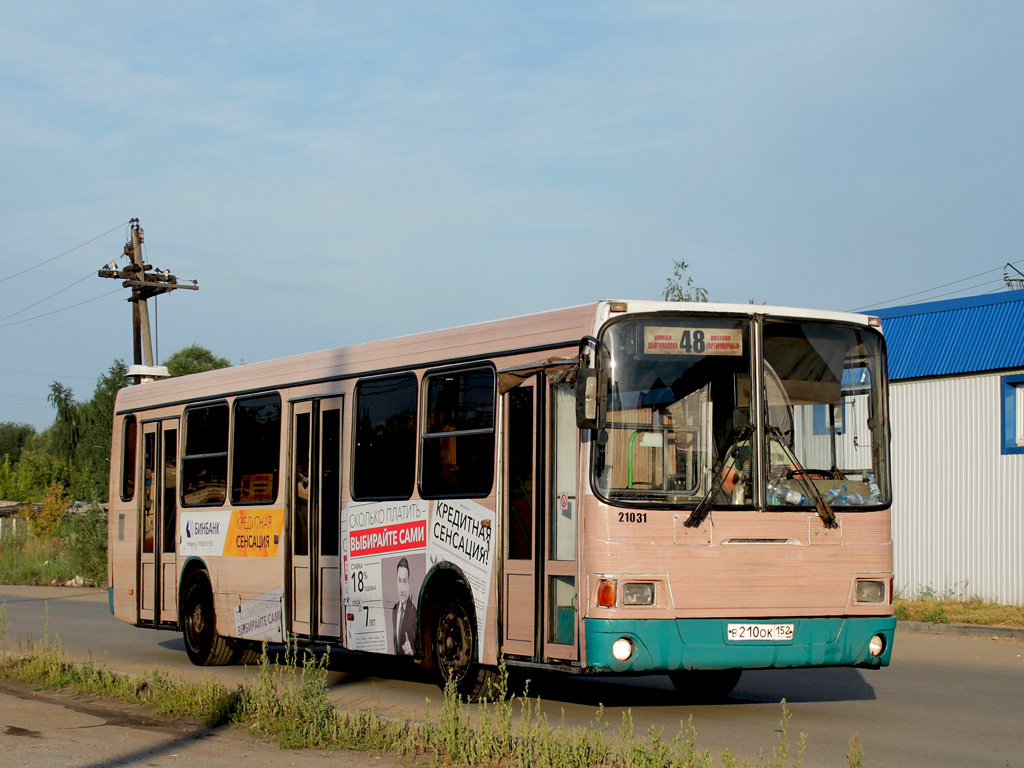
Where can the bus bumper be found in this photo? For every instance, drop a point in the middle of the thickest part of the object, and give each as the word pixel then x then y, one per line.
pixel 663 645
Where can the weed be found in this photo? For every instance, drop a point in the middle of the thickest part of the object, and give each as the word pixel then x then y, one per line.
pixel 972 611
pixel 289 704
pixel 74 545
pixel 855 757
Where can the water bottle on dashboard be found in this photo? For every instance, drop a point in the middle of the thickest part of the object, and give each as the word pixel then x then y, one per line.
pixel 876 492
pixel 781 494
pixel 834 496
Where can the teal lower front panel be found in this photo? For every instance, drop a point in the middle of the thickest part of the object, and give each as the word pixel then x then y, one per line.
pixel 663 645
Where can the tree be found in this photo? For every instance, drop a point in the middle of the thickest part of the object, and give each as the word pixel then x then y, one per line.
pixel 680 287
pixel 13 438
pixel 96 417
pixel 194 359
pixel 65 428
pixel 55 506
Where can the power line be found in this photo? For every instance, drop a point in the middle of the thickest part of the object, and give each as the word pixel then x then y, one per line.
pixel 929 290
pixel 54 258
pixel 952 293
pixel 26 405
pixel 36 304
pixel 48 375
pixel 63 309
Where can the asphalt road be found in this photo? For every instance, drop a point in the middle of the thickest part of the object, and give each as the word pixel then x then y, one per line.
pixel 946 701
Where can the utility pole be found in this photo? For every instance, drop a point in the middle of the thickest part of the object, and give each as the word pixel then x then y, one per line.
pixel 145 284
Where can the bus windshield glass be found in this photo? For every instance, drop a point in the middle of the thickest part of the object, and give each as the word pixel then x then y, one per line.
pixel 826 421
pixel 679 424
pixel 677 401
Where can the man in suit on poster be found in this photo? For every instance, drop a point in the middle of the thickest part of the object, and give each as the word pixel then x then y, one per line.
pixel 405 612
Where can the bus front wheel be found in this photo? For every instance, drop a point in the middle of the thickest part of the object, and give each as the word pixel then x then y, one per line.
pixel 705 685
pixel 455 650
pixel 205 648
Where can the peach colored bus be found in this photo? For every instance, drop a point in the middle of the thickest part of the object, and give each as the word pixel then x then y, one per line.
pixel 628 487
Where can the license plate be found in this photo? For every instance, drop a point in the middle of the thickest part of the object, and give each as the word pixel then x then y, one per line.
pixel 765 633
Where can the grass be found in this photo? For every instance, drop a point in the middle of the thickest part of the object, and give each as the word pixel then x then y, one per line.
pixel 77 548
pixel 289 705
pixel 946 610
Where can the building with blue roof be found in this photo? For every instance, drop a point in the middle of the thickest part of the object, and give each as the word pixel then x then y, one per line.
pixel 956 370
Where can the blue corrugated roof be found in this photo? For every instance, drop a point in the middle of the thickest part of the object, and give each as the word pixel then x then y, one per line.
pixel 976 333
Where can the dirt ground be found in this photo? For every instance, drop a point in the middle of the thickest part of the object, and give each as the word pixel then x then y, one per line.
pixel 52 729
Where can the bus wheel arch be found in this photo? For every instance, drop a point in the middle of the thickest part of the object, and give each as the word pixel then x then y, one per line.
pixel 449 641
pixel 198 620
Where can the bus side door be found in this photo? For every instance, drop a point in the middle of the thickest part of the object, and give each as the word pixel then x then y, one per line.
pixel 158 523
pixel 541 449
pixel 314 581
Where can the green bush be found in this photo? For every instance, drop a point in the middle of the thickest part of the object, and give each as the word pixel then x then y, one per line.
pixel 84 534
pixel 78 547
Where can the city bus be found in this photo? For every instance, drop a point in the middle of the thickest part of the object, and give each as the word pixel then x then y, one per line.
pixel 626 487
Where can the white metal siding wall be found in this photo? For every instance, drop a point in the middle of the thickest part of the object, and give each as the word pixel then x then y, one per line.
pixel 958 501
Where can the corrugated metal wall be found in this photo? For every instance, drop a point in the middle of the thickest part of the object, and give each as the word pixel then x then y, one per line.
pixel 958 502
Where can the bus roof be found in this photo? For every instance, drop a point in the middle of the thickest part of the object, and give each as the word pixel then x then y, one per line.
pixel 535 333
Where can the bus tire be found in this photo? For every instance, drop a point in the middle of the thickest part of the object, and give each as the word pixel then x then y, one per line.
pixel 205 648
pixel 455 648
pixel 704 685
pixel 246 654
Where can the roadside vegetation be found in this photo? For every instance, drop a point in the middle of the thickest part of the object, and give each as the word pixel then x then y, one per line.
pixel 948 608
pixel 59 545
pixel 53 527
pixel 289 705
pixel 74 452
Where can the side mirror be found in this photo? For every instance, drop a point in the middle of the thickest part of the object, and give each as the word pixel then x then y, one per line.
pixel 589 411
pixel 587 399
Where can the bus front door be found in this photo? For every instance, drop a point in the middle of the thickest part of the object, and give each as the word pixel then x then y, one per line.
pixel 314 582
pixel 541 449
pixel 158 524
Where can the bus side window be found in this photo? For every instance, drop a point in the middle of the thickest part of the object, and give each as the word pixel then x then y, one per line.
pixel 458 438
pixel 256 450
pixel 384 459
pixel 204 463
pixel 128 458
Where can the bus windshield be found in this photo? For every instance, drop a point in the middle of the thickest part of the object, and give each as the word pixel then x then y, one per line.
pixel 825 418
pixel 679 423
pixel 678 398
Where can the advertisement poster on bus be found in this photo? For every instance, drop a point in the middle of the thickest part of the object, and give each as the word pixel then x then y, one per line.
pixel 387 550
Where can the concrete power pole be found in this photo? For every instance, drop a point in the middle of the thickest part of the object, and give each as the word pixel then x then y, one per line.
pixel 145 283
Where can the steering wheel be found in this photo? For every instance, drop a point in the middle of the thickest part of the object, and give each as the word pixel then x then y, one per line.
pixel 812 474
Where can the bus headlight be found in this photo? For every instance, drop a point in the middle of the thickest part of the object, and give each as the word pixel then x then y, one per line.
pixel 876 647
pixel 870 591
pixel 637 594
pixel 622 648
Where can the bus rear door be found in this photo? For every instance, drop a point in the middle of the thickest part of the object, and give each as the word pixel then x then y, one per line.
pixel 314 581
pixel 158 521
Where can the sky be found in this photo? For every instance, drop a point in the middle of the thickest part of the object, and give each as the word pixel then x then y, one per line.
pixel 337 172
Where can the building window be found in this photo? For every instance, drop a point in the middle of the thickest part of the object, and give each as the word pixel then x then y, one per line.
pixel 458 437
pixel 1013 413
pixel 204 463
pixel 384 460
pixel 256 454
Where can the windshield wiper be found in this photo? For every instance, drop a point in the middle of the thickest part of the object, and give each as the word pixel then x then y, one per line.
pixel 828 517
pixel 700 512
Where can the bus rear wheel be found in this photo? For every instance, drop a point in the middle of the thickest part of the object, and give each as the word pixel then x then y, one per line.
pixel 705 685
pixel 205 648
pixel 455 649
